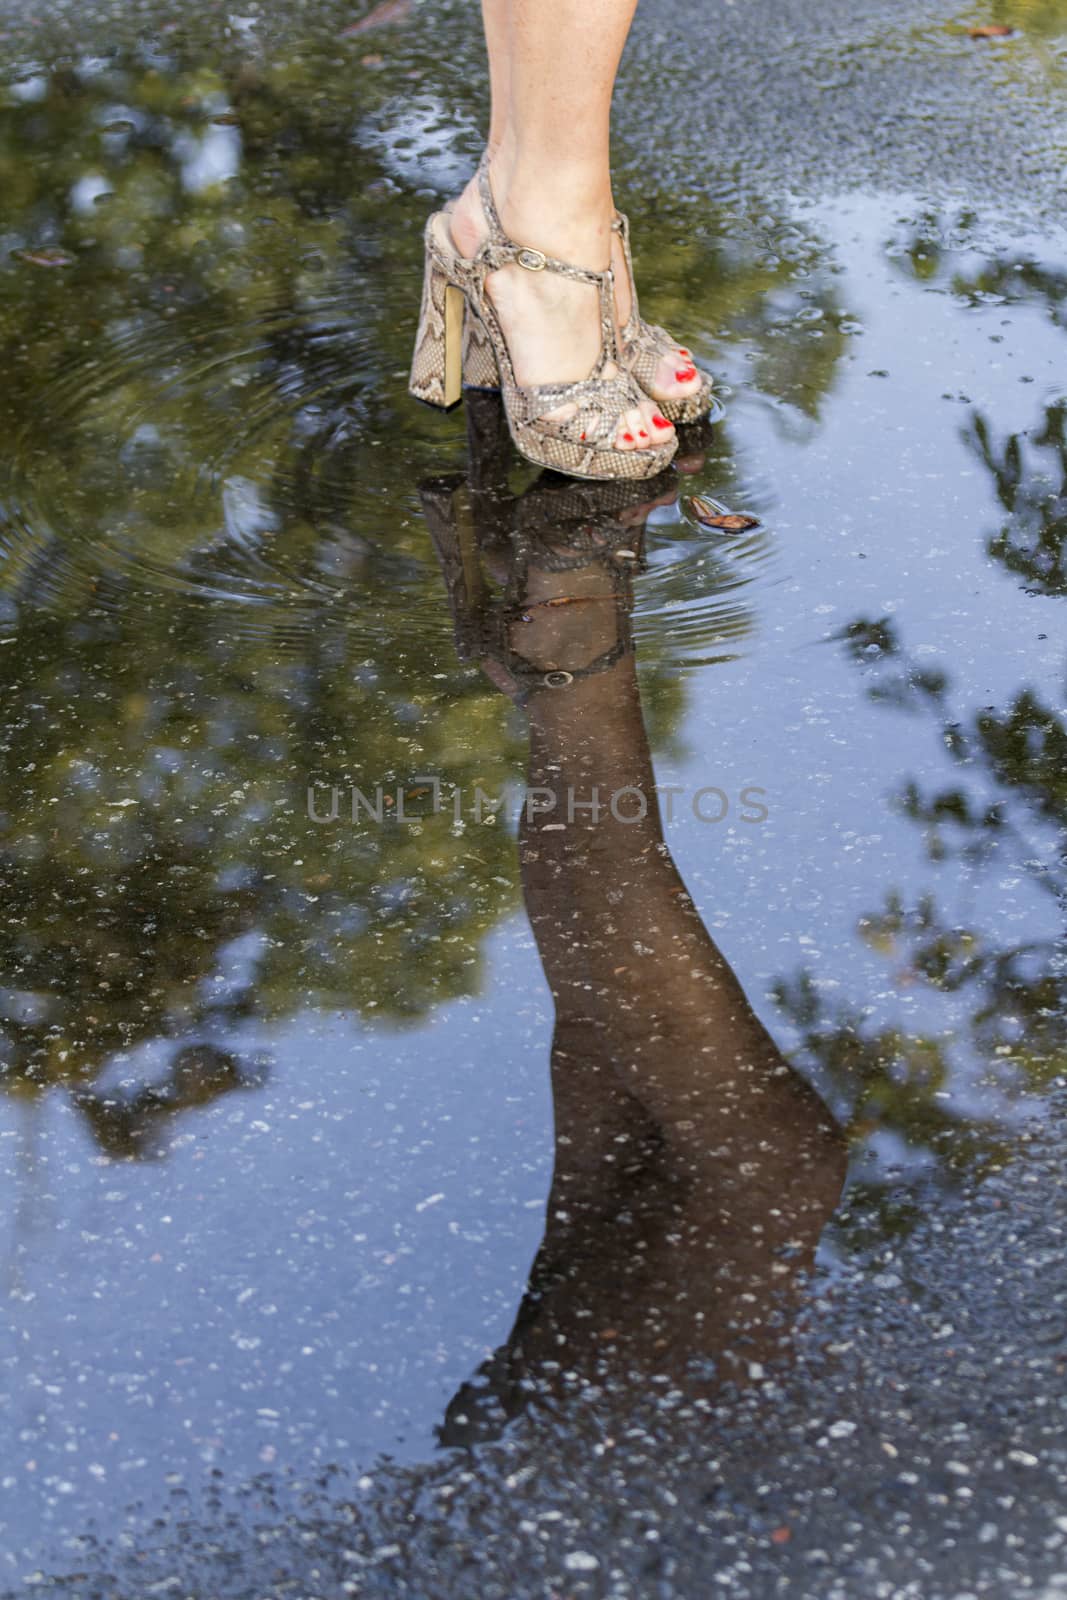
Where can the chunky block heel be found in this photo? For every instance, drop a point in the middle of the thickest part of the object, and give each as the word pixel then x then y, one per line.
pixel 437 365
pixel 480 370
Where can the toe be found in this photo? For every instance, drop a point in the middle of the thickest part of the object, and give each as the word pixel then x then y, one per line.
pixel 655 428
pixel 561 413
pixel 676 377
pixel 628 433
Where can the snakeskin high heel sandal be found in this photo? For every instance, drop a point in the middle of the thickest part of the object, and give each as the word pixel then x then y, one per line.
pixel 644 345
pixel 454 291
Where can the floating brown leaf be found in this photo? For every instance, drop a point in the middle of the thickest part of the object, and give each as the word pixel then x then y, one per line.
pixel 991 30
pixel 713 516
pixel 379 16
pixel 226 119
pixel 44 258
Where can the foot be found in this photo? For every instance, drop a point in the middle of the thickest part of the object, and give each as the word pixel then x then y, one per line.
pixel 676 377
pixel 551 323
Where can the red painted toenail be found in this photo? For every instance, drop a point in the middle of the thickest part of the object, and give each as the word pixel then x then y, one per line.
pixel 660 422
pixel 629 438
pixel 583 435
pixel 642 434
pixel 685 374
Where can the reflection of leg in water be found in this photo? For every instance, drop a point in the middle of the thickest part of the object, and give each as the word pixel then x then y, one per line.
pixel 694 1169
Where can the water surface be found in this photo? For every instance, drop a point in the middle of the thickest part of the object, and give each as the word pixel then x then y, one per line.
pixel 281 1098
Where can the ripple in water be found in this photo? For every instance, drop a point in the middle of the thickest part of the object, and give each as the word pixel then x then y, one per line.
pixel 269 472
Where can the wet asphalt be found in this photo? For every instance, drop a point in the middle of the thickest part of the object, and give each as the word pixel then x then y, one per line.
pixel 865 97
pixel 922 1452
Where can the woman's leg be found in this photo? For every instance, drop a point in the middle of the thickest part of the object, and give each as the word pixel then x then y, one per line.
pixel 496 18
pixel 551 180
pixel 563 60
pixel 552 71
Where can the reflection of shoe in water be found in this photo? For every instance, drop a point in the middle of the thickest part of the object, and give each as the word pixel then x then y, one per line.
pixel 696 438
pixel 563 556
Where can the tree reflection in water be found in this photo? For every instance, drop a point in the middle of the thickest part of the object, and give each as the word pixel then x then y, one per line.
pixel 213 587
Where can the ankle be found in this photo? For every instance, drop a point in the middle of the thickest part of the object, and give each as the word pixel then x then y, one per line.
pixel 467 225
pixel 501 151
pixel 571 222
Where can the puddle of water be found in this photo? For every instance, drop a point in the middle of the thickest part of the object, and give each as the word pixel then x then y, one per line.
pixel 279 1086
pixel 1045 19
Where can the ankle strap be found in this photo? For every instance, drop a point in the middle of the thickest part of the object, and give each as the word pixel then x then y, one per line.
pixel 500 251
pixel 485 190
pixel 504 254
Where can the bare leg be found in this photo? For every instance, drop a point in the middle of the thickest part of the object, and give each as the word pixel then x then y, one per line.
pixel 496 19
pixel 550 173
pixel 549 139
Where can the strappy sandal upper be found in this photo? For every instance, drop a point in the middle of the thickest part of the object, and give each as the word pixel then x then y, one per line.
pixel 645 345
pixel 580 444
pixel 642 346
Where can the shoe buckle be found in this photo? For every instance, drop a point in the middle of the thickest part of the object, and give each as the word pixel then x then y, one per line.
pixel 532 260
pixel 557 679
